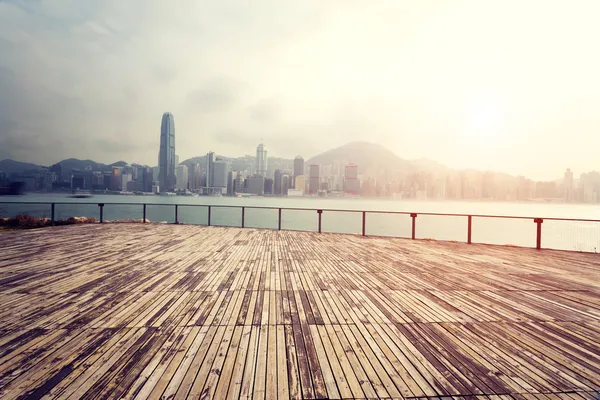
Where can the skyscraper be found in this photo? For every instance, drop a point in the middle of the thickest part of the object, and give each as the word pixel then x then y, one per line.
pixel 219 175
pixel 230 184
pixel 210 159
pixel 239 183
pixel 314 179
pixel 277 183
pixel 194 179
pixel 351 182
pixel 298 169
pixel 285 184
pixel 182 177
pixel 166 156
pixel 568 182
pixel 261 160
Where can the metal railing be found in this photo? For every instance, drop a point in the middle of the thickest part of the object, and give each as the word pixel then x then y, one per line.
pixel 319 212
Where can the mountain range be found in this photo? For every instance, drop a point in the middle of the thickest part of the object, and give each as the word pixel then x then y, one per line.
pixel 372 160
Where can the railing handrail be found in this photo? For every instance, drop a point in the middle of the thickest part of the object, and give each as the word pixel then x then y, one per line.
pixel 307 209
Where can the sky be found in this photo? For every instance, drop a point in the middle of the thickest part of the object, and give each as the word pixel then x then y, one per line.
pixel 506 85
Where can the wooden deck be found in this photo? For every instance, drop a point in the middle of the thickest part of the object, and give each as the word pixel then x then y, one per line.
pixel 144 311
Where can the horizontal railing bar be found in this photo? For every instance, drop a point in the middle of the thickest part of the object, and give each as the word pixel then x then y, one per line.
pixel 304 209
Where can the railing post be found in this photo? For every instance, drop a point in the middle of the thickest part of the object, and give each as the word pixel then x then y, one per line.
pixel 52 208
pixel 101 205
pixel 243 215
pixel 208 215
pixel 538 239
pixel 469 228
pixel 279 225
pixel 144 220
pixel 320 212
pixel 414 222
pixel 364 225
pixel 176 214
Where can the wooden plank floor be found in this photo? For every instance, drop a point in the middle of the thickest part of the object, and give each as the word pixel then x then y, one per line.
pixel 149 311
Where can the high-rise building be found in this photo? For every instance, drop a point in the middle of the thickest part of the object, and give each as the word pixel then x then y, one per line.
pixel 239 183
pixel 219 175
pixel 182 177
pixel 147 180
pixel 81 179
pixel 261 160
pixel 210 159
pixel 285 184
pixel 300 183
pixel 351 182
pixel 230 187
pixel 126 177
pixel 195 177
pixel 116 183
pixel 166 155
pixel 569 188
pixel 268 186
pixel 314 179
pixel 256 185
pixel 277 183
pixel 298 169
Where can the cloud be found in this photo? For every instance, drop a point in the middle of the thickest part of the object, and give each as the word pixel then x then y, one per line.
pixel 265 110
pixel 216 95
pixel 86 79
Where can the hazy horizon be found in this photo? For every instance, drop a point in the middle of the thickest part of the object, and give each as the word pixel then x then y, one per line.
pixel 508 86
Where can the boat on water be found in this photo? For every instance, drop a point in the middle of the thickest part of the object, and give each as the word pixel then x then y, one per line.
pixel 80 194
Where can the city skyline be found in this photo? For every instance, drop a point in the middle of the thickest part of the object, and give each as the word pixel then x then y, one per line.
pixel 332 172
pixel 522 101
pixel 559 177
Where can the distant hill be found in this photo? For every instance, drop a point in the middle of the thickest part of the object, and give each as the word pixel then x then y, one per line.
pixel 74 163
pixel 17 167
pixel 369 157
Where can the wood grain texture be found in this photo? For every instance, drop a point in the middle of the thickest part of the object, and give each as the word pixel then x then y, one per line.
pixel 172 311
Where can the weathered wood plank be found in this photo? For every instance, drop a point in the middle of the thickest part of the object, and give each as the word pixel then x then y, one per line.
pixel 175 311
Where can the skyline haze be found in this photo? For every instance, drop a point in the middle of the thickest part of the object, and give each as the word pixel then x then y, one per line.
pixel 504 86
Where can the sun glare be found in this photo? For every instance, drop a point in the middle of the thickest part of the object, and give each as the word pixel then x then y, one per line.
pixel 484 119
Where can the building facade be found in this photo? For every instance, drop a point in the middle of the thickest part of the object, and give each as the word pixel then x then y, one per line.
pixel 166 155
pixel 182 177
pixel 351 182
pixel 277 183
pixel 261 160
pixel 298 169
pixel 219 175
pixel 255 185
pixel 314 179
pixel 210 160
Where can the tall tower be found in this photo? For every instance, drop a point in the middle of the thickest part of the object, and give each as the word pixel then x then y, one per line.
pixel 166 156
pixel 210 166
pixel 298 169
pixel 568 182
pixel 261 160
